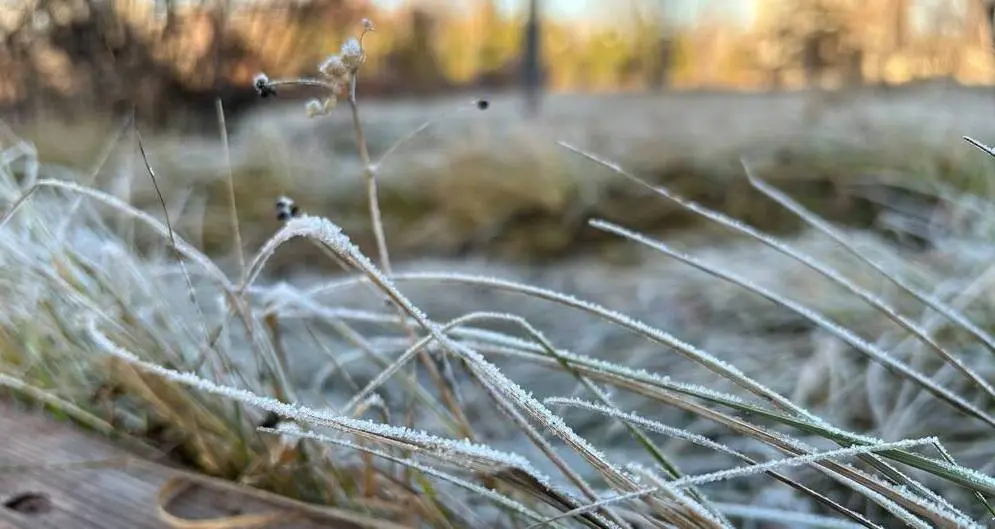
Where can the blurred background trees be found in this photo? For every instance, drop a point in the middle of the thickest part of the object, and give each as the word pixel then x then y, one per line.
pixel 169 59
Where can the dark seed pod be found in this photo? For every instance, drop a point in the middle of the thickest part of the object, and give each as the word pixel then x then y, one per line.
pixel 483 104
pixel 286 208
pixel 264 88
pixel 270 420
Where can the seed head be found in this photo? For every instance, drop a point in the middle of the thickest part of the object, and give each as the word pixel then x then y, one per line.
pixel 334 67
pixel 368 25
pixel 313 108
pixel 352 53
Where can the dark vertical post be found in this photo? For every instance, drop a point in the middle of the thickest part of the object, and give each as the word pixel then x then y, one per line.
pixel 531 61
pixel 989 8
pixel 219 20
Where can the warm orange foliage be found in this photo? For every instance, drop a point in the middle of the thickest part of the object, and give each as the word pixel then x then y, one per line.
pixel 420 49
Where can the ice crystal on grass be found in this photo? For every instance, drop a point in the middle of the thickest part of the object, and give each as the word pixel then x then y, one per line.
pixel 835 234
pixel 488 373
pixel 802 460
pixel 306 226
pixel 623 371
pixel 697 355
pixel 119 205
pixel 478 456
pixel 411 463
pixel 817 266
pixel 844 334
pixel 749 512
pixel 712 477
pixel 655 426
pixel 691 352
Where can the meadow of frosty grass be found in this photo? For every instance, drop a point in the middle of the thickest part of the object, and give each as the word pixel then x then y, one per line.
pixel 168 348
pixel 156 347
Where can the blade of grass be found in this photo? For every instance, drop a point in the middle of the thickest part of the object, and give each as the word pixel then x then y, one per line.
pixel 807 260
pixel 678 433
pixel 624 377
pixel 820 224
pixel 806 459
pixel 647 385
pixel 870 350
pixel 232 205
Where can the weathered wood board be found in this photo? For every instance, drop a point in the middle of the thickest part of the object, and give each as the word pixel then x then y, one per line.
pixel 39 491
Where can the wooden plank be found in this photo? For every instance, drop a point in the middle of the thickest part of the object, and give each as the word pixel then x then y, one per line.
pixel 45 491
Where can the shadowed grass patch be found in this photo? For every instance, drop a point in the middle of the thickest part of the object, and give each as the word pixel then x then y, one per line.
pixel 494 184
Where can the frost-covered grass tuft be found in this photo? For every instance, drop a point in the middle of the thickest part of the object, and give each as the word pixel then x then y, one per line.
pixel 378 403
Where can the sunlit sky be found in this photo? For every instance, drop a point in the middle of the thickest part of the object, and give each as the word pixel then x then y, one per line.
pixel 677 10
